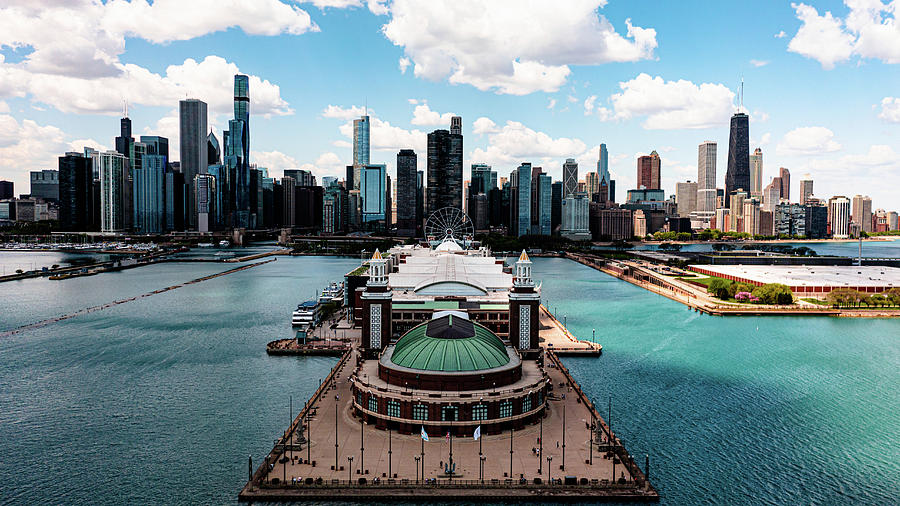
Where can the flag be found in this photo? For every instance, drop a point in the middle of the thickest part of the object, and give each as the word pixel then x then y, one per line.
pixel 448 435
pixel 477 433
pixel 424 434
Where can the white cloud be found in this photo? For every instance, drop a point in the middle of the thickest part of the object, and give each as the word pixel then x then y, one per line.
pixel 780 35
pixel 551 103
pixel 81 71
pixel 890 109
pixel 669 104
pixel 515 143
pixel 765 139
pixel 484 125
pixel 345 113
pixel 870 30
pixel 80 144
pixel 412 101
pixel 386 137
pixel 342 144
pixel 403 64
pixel 4 107
pixel 759 63
pixel 808 141
pixel 879 163
pixel 26 145
pixel 483 44
pixel 275 161
pixel 337 4
pixel 423 115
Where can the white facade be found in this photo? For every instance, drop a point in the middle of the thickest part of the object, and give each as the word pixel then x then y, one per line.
pixel 756 170
pixel 706 177
pixel 861 212
pixel 576 218
pixel 686 198
pixel 806 189
pixel 839 211
pixel 113 174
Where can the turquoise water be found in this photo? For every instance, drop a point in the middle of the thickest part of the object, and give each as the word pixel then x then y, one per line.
pixel 161 400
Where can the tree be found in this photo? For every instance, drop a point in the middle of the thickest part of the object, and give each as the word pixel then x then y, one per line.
pixel 683 236
pixel 740 287
pixel 720 288
pixel 774 293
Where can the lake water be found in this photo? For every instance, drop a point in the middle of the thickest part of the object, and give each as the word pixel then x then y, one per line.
pixel 161 400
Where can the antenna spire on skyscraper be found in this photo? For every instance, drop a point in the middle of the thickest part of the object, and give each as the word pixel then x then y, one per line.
pixel 742 95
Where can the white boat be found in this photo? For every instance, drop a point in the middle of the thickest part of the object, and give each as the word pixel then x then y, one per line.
pixel 224 244
pixel 205 245
pixel 332 293
pixel 307 313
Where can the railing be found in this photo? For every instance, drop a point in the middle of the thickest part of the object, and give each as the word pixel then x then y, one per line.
pixel 405 394
pixel 444 483
pixel 453 423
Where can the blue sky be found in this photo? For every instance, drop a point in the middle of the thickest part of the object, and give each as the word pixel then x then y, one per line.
pixel 821 81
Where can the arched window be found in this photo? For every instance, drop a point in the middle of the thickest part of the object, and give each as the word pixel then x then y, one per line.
pixel 373 404
pixel 505 409
pixel 393 408
pixel 420 412
pixel 526 404
pixel 479 412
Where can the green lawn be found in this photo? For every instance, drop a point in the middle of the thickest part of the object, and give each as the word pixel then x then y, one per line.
pixel 816 301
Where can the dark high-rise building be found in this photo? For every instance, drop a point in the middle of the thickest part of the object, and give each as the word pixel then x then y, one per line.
pixel 648 169
pixel 738 173
pixel 406 192
pixel 75 192
pixel 420 201
pixel 288 196
pixel 6 190
pixel 176 198
pixel 156 145
pixel 45 184
pixel 557 191
pixel 456 125
pixel 213 150
pixel 445 170
pixel 194 158
pixel 125 142
pixel 785 176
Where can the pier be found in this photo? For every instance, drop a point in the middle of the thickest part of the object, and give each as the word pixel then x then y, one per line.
pixel 571 455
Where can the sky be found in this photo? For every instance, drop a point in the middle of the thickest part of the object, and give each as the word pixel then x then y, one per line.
pixel 537 81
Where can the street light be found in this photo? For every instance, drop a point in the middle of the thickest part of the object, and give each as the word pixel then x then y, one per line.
pixel 549 470
pixel 417 467
pixel 483 458
pixel 350 468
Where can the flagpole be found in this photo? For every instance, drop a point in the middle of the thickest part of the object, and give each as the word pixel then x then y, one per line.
pixel 423 455
pixel 451 455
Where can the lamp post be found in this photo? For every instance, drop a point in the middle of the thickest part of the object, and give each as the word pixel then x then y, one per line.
pixel 350 468
pixel 308 435
pixel 390 452
pixel 563 466
pixel 510 451
pixel 593 336
pixel 417 468
pixel 541 446
pixel 335 433
pixel 291 421
pixel 482 458
pixel 549 470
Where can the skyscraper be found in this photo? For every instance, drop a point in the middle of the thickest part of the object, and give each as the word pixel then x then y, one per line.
pixel 45 184
pixel 156 145
pixel 205 186
pixel 861 212
pixel 75 192
pixel 544 196
pixel 149 182
pixel 591 183
pixel 406 192
pixel 785 176
pixel 570 177
pixel 839 216
pixel 756 170
pixel 648 168
pixel 706 181
pixel 113 177
pixel 125 142
pixel 194 157
pixel 361 142
pixel 521 202
pixel 772 195
pixel 806 189
pixel 456 125
pixel 686 198
pixel 373 193
pixel 738 173
pixel 603 165
pixel 445 170
pixel 213 150
pixel 6 190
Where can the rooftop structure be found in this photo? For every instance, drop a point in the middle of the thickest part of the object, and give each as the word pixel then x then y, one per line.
pixel 810 279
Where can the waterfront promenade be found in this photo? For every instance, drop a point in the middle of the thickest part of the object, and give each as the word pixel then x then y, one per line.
pixel 348 460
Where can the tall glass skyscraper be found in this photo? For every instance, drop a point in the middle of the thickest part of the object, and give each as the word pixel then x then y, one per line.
pixel 75 192
pixel 570 177
pixel 406 192
pixel 373 193
pixel 522 210
pixel 738 172
pixel 194 158
pixel 149 182
pixel 545 205
pixel 603 165
pixel 361 141
pixel 113 176
pixel 445 170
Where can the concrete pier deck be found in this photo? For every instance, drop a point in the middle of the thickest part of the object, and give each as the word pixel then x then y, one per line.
pixel 516 466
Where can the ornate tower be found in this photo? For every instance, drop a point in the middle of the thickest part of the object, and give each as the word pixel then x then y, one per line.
pixel 524 304
pixel 376 306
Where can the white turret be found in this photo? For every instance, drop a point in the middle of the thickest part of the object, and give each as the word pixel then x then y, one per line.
pixel 523 271
pixel 377 267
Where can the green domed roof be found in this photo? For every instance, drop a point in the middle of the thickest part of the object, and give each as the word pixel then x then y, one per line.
pixel 450 344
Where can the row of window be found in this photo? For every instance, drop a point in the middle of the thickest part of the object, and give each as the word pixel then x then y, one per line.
pixel 448 413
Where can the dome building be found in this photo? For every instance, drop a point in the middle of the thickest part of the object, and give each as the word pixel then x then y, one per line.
pixel 449 342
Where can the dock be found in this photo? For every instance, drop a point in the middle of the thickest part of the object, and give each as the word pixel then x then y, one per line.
pixel 329 348
pixel 571 455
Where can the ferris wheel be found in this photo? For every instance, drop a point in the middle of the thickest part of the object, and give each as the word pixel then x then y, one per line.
pixel 449 223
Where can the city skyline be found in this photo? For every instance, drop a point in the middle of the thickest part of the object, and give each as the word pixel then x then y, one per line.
pixel 610 96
